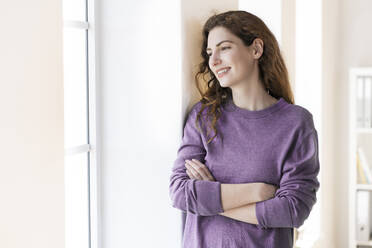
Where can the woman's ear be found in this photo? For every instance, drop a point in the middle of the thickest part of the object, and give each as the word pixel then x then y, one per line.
pixel 258 46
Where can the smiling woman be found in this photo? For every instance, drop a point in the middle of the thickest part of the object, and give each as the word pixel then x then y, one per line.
pixel 255 180
pixel 230 56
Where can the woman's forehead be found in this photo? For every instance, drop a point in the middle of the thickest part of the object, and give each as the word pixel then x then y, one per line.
pixel 219 34
pixel 220 31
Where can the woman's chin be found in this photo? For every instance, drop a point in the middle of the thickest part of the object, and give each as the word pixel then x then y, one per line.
pixel 225 84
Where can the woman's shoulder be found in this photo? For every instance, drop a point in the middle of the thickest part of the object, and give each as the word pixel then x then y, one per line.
pixel 196 107
pixel 193 111
pixel 299 116
pixel 300 111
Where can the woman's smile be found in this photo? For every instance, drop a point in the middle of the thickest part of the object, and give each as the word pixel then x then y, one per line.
pixel 223 71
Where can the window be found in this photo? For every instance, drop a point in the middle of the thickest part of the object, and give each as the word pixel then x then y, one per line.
pixel 80 128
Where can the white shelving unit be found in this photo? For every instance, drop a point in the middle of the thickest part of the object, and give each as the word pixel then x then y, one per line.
pixel 358 136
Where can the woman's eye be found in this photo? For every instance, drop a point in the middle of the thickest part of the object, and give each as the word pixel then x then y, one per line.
pixel 223 48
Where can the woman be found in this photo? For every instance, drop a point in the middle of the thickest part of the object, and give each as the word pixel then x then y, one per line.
pixel 255 179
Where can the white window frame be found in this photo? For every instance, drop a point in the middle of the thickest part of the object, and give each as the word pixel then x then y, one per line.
pixel 91 147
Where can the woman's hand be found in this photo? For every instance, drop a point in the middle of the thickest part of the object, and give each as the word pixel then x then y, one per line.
pixel 197 170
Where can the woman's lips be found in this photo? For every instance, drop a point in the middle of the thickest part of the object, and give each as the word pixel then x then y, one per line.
pixel 223 72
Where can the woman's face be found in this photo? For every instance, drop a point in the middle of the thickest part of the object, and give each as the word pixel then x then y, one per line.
pixel 229 59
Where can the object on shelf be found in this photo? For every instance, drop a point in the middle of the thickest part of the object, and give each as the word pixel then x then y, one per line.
pixel 361 176
pixel 363 218
pixel 364 102
pixel 363 162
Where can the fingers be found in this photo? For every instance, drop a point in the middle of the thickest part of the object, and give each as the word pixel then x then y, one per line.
pixel 193 173
pixel 189 174
pixel 198 170
pixel 204 169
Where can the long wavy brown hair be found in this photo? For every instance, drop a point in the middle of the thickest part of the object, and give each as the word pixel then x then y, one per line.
pixel 272 69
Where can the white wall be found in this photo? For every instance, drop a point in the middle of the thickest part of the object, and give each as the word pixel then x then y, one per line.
pixel 147 52
pixel 308 93
pixel 271 16
pixel 140 100
pixel 31 124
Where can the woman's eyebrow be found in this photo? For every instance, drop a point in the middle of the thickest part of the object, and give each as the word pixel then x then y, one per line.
pixel 219 43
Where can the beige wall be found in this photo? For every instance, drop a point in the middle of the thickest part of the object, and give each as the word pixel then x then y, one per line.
pixel 194 13
pixel 31 125
pixel 330 59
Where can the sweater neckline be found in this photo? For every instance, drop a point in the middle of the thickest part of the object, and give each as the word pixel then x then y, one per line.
pixel 255 113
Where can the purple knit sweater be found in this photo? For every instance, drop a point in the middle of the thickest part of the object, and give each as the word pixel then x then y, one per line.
pixel 277 145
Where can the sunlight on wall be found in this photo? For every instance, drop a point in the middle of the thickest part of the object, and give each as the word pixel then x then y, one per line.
pixel 139 110
pixel 308 92
pixel 271 16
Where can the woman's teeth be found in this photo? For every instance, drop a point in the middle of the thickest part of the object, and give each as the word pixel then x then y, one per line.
pixel 220 73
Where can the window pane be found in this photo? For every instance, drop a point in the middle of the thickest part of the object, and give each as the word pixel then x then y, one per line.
pixel 76 201
pixel 74 10
pixel 75 87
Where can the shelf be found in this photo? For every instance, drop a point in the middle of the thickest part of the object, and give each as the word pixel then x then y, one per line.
pixel 364 130
pixel 360 136
pixel 364 187
pixel 364 243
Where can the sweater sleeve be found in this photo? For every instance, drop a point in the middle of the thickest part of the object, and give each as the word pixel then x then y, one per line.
pixel 190 195
pixel 296 195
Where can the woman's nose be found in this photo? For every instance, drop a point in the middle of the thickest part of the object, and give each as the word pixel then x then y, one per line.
pixel 215 60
